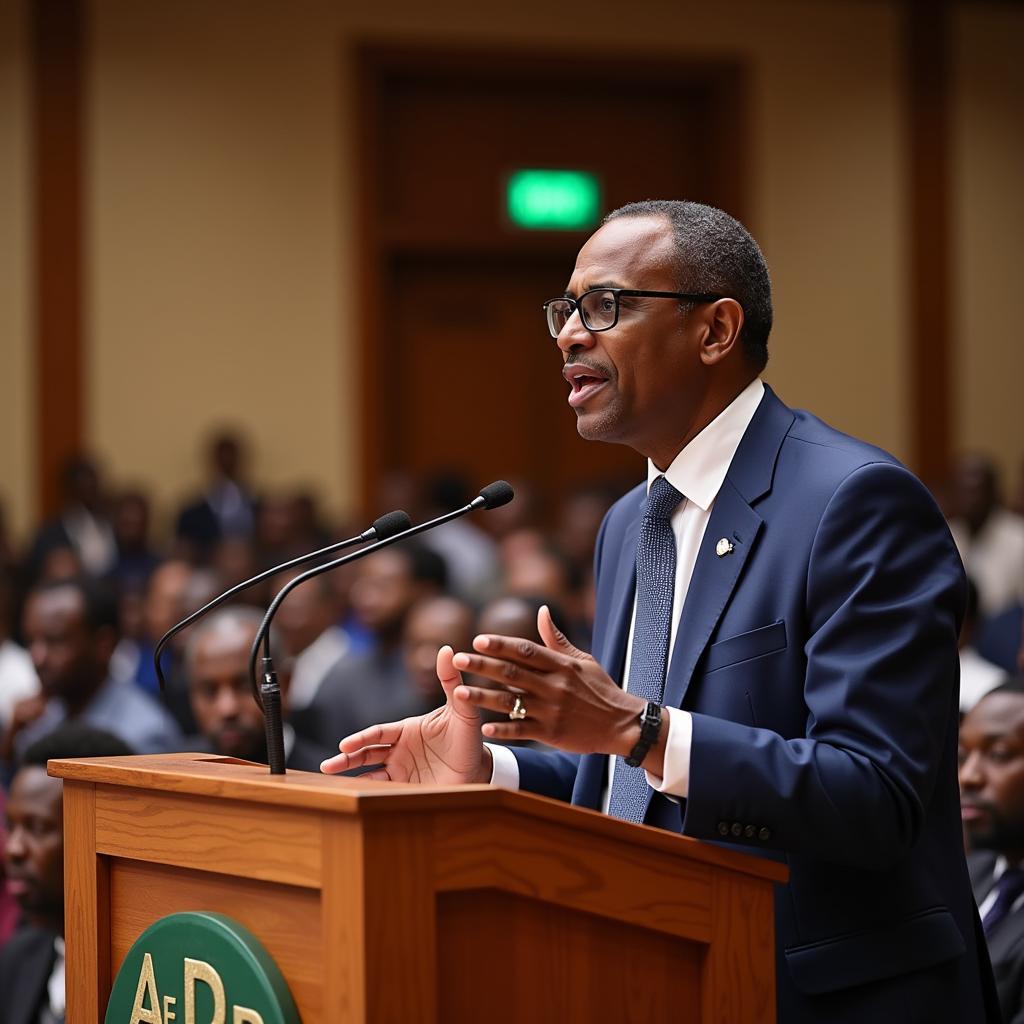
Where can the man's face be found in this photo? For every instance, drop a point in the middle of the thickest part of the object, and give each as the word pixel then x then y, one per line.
pixel 992 773
pixel 65 652
pixel 224 707
pixel 34 851
pixel 304 614
pixel 649 379
pixel 383 591
pixel 432 624
pixel 165 597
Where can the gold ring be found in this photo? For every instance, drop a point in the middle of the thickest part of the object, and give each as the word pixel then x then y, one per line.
pixel 518 712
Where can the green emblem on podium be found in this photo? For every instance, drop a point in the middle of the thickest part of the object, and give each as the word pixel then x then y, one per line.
pixel 199 968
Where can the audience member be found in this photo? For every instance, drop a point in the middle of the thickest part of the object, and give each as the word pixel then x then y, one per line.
pixel 136 558
pixel 430 624
pixel 977 675
pixel 307 622
pixel 82 524
pixel 18 678
pixel 32 963
pixel 992 801
pixel 164 605
pixel 469 553
pixel 230 721
pixel 375 687
pixel 990 537
pixel 71 632
pixel 1001 639
pixel 8 904
pixel 225 508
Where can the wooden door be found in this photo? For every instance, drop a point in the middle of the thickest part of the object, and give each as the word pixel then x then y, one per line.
pixel 459 371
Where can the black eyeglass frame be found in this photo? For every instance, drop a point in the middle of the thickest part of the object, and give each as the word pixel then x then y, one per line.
pixel 616 294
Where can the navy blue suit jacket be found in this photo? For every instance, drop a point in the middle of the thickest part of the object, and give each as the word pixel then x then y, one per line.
pixel 819 662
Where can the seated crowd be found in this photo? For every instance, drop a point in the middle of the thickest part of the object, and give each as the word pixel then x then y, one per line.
pixel 82 608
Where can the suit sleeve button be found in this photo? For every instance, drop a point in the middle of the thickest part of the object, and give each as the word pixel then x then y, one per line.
pixel 749 832
pixel 723 828
pixel 765 833
pixel 737 829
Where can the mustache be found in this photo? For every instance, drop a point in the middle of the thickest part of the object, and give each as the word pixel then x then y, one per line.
pixel 591 364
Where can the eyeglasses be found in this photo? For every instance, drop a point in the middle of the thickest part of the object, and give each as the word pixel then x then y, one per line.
pixel 599 307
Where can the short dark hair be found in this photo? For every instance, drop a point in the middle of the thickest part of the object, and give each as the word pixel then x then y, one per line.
pixel 98 600
pixel 715 253
pixel 1015 684
pixel 425 564
pixel 74 739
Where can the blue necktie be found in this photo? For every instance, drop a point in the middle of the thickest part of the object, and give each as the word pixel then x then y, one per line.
pixel 655 587
pixel 1009 886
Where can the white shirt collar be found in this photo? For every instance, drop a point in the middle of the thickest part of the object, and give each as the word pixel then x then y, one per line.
pixel 698 471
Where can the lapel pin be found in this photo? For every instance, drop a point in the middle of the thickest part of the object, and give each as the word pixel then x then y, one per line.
pixel 723 547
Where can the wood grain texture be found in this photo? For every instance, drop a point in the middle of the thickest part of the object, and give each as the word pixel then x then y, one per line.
pixel 214 834
pixel 507 960
pixel 86 909
pixel 285 919
pixel 601 876
pixel 739 970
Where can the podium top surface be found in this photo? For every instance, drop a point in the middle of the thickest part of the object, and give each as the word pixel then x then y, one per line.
pixel 211 776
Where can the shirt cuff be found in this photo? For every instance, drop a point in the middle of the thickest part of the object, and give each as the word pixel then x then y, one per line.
pixel 505 767
pixel 676 780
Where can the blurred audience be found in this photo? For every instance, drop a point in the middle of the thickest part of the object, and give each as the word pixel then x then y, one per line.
pixel 229 720
pixel 136 558
pixel 225 508
pixel 71 631
pixel 431 624
pixel 312 638
pixel 992 802
pixel 81 526
pixel 977 674
pixel 375 687
pixel 18 678
pixel 32 962
pixel 989 536
pixel 469 553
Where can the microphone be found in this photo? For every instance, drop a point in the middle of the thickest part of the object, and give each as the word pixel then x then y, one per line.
pixel 268 694
pixel 386 526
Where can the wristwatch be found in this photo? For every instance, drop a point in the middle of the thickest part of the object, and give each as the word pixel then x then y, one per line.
pixel 650 726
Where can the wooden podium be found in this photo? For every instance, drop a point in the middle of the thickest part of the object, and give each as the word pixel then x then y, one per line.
pixel 392 903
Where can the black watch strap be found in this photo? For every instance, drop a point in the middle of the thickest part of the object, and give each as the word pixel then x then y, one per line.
pixel 650 726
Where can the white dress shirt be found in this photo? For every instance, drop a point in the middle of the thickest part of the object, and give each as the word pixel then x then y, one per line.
pixel 698 473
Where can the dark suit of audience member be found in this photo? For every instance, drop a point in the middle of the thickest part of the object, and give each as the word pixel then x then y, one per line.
pixel 992 806
pixel 1001 639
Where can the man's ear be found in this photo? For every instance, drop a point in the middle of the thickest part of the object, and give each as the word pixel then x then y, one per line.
pixel 724 322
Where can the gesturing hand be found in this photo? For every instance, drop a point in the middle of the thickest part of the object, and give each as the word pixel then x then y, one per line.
pixel 443 747
pixel 570 701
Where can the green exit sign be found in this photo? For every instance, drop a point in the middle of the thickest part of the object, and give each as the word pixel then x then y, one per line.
pixel 553 200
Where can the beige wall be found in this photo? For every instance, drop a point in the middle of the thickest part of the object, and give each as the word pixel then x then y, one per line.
pixel 220 208
pixel 17 479
pixel 989 233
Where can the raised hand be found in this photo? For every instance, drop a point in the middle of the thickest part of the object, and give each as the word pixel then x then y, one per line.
pixel 569 701
pixel 443 747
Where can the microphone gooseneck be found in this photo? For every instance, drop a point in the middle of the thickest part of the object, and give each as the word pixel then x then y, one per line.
pixel 492 496
pixel 386 526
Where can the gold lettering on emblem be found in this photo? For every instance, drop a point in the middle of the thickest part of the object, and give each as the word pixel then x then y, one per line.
pixel 169 1014
pixel 146 989
pixel 244 1016
pixel 199 970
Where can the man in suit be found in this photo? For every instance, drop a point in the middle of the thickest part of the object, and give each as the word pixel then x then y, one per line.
pixel 775 637
pixel 992 797
pixel 32 963
pixel 220 691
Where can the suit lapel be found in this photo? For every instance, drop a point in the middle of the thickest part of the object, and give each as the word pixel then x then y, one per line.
pixel 734 519
pixel 713 581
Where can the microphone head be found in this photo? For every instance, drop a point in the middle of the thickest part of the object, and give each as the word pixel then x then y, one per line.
pixel 391 523
pixel 497 494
